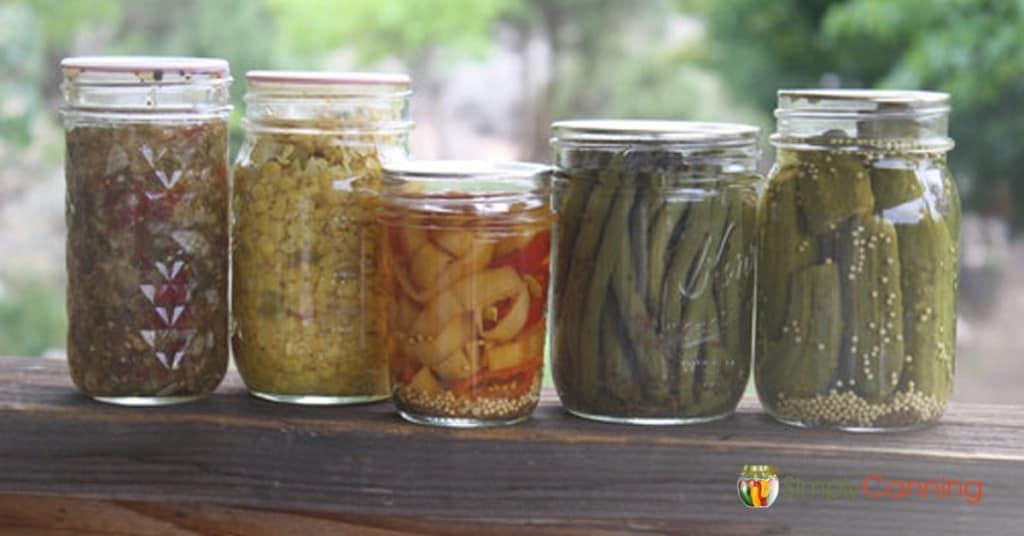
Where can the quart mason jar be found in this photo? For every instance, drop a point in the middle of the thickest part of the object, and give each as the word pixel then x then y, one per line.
pixel 654 263
pixel 465 261
pixel 147 210
pixel 858 261
pixel 304 237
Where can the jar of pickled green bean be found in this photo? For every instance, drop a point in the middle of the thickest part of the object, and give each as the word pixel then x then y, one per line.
pixel 858 249
pixel 654 253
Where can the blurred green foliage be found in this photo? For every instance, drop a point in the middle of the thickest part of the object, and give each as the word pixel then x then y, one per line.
pixel 32 317
pixel 973 49
pixel 381 28
pixel 21 50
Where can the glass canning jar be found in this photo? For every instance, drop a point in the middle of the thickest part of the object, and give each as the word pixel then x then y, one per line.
pixel 147 209
pixel 654 268
pixel 304 238
pixel 464 264
pixel 859 234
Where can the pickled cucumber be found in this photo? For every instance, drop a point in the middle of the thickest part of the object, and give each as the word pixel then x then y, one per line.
pixel 872 303
pixel 926 253
pixel 833 185
pixel 807 353
pixel 894 186
pixel 784 247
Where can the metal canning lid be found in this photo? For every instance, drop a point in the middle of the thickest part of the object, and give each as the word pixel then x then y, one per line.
pixel 626 131
pixel 465 169
pixel 516 191
pixel 146 85
pixel 811 102
pixel 328 78
pixel 452 185
pixel 328 102
pixel 146 68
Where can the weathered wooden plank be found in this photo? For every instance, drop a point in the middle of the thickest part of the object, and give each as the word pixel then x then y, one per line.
pixel 45 514
pixel 363 466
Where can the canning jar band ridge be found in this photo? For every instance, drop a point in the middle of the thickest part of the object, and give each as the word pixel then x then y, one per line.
pixel 932 144
pixel 376 130
pixel 103 116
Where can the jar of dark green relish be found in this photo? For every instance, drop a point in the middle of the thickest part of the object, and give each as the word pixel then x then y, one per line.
pixel 858 249
pixel 147 222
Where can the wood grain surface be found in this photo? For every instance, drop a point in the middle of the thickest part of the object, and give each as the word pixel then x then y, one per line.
pixel 231 464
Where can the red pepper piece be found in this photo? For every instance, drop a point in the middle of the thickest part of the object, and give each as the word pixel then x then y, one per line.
pixel 521 373
pixel 533 258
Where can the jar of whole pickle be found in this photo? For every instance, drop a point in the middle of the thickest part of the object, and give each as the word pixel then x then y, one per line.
pixel 859 233
pixel 654 263
pixel 464 264
pixel 147 221
pixel 304 237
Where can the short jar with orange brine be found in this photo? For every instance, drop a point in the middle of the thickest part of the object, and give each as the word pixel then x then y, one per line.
pixel 464 270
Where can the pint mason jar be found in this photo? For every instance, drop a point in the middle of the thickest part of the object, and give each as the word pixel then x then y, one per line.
pixel 654 268
pixel 464 265
pixel 859 233
pixel 146 209
pixel 304 237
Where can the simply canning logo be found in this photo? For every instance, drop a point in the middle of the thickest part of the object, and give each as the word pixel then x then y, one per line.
pixel 759 486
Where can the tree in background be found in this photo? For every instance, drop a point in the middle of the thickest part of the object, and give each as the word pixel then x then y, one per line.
pixel 424 35
pixel 611 59
pixel 240 31
pixel 606 58
pixel 973 49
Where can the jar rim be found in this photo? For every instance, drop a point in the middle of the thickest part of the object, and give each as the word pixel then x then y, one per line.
pixel 891 96
pixel 327 77
pixel 131 86
pixel 827 102
pixel 654 131
pixel 145 64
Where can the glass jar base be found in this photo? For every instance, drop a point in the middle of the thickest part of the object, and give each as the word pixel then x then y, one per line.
pixel 649 421
pixel 147 401
pixel 854 429
pixel 319 400
pixel 458 422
